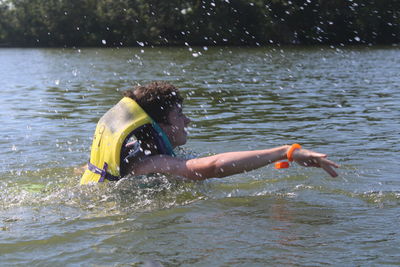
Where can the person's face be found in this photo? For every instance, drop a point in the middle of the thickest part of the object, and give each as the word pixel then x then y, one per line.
pixel 176 129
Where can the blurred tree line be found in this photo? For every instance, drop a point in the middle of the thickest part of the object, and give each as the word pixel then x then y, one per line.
pixel 197 22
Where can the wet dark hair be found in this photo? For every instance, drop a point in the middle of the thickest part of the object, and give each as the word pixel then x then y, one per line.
pixel 157 99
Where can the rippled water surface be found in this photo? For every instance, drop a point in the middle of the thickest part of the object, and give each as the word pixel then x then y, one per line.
pixel 344 102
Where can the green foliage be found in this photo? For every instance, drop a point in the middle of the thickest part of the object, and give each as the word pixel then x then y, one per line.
pixel 197 22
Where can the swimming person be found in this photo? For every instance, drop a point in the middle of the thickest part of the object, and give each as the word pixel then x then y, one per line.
pixel 137 137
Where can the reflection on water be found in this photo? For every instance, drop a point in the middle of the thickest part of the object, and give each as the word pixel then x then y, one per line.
pixel 343 102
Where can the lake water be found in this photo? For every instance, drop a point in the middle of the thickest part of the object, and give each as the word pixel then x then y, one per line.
pixel 340 101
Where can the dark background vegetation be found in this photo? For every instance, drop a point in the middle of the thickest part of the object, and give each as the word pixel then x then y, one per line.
pixel 67 23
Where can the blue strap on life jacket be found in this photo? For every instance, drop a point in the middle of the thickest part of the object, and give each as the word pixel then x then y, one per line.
pixel 162 134
pixel 103 172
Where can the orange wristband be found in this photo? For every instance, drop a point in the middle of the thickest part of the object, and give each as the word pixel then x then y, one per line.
pixel 282 165
pixel 289 154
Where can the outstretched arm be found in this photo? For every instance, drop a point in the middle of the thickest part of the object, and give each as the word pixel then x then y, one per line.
pixel 226 164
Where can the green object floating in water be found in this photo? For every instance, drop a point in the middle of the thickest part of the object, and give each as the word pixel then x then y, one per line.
pixel 33 188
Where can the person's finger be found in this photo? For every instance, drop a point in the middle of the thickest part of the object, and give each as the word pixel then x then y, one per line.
pixel 326 165
pixel 331 163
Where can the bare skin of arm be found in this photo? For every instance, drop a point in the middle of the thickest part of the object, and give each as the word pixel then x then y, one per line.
pixel 230 163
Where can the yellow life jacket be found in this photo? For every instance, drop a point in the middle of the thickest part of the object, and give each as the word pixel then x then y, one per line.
pixel 111 131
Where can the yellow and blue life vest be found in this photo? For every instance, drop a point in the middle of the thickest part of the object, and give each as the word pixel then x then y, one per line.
pixel 116 125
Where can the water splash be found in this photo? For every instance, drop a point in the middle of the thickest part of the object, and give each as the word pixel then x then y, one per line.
pixel 128 194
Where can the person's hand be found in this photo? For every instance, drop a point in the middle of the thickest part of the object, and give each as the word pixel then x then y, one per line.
pixel 308 158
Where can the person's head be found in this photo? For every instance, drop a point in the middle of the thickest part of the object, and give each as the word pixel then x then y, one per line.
pixel 163 103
